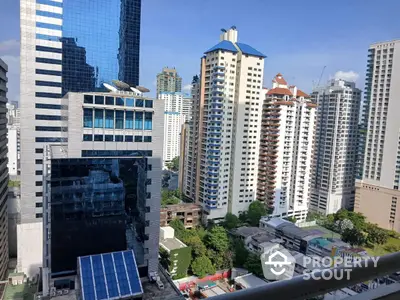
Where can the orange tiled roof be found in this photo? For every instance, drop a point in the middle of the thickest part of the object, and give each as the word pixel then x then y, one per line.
pixel 279 79
pixel 300 93
pixel 279 91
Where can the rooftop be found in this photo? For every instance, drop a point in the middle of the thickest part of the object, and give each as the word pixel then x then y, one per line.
pixel 246 49
pixel 223 45
pixel 25 291
pixel 247 231
pixel 172 244
pixel 250 281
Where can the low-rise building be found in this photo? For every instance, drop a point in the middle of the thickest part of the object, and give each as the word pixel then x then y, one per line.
pixel 175 256
pixel 188 213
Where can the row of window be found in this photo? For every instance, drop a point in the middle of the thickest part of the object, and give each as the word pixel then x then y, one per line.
pixel 51 140
pixel 108 100
pixel 118 119
pixel 116 138
pixel 117 153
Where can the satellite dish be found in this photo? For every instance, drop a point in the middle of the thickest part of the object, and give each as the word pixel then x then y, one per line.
pixel 136 91
pixel 121 85
pixel 142 89
pixel 110 87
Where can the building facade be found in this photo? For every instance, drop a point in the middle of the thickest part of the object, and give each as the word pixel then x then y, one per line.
pixel 187 104
pixel 173 122
pixel 226 109
pixel 188 169
pixel 377 190
pixel 188 213
pixel 286 151
pixel 336 146
pixel 110 165
pixel 3 172
pixel 70 46
pixel 169 81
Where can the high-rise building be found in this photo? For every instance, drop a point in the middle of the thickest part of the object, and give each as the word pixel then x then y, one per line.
pixel 173 121
pixel 227 97
pixel 168 81
pixel 377 191
pixel 110 165
pixel 286 150
pixel 70 46
pixel 336 146
pixel 187 103
pixel 188 169
pixel 13 136
pixel 3 172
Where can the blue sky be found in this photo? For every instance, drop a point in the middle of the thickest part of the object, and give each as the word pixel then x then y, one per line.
pixel 299 37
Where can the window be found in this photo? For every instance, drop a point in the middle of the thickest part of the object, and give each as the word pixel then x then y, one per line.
pixel 87 117
pixel 138 120
pixel 47 83
pixel 129 102
pixel 44 48
pixel 119 101
pixel 47 95
pixel 109 100
pixel 109 119
pixel 119 119
pixel 98 137
pixel 39 194
pixel 129 119
pixel 98 118
pixel 48 72
pixel 138 139
pixel 50 128
pixel 109 138
pixel 116 153
pixel 148 181
pixel 39 161
pixel 47 106
pixel 39 215
pixel 39 204
pixel 147 139
pixel 139 102
pixel 88 99
pixel 119 138
pixel 128 138
pixel 50 140
pixel 149 103
pixel 148 121
pixel 39 150
pixel 39 183
pixel 87 137
pixel 39 172
pixel 149 167
pixel 48 61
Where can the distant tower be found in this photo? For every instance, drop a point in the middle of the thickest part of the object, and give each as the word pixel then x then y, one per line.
pixel 168 81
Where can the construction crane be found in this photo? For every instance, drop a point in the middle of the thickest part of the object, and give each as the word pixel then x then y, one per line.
pixel 320 77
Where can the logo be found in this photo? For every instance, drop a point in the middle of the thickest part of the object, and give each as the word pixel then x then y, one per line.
pixel 277 263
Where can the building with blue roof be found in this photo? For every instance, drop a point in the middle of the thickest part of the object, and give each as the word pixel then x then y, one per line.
pixel 225 128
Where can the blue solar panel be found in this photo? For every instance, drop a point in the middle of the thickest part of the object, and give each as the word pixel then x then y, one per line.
pixel 99 279
pixel 87 278
pixel 111 279
pixel 132 272
pixel 121 274
pixel 109 276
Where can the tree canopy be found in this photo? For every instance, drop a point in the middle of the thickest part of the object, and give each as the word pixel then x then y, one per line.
pixel 255 212
pixel 173 165
pixel 170 197
pixel 231 221
pixel 217 239
pixel 202 266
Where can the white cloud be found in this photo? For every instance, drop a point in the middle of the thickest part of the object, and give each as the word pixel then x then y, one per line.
pixel 187 88
pixel 9 46
pixel 348 76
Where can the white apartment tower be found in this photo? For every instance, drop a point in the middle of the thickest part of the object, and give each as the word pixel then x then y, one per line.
pixel 377 190
pixel 334 166
pixel 229 102
pixel 287 135
pixel 173 121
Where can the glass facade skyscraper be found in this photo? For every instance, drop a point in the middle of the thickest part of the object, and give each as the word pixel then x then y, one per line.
pixel 66 46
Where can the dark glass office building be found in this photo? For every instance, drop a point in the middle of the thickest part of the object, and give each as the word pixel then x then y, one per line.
pixel 100 43
pixel 98 206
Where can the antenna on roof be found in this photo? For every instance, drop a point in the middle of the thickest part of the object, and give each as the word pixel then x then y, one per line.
pixel 233 27
pixel 223 30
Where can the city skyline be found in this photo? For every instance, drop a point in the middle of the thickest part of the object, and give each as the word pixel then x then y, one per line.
pixel 308 50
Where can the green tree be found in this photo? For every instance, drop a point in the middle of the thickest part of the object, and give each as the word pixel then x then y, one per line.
pixel 255 212
pixel 220 260
pixel 179 228
pixel 231 221
pixel 353 236
pixel 198 248
pixel 170 197
pixel 173 165
pixel 240 253
pixel 253 265
pixel 291 219
pixel 202 266
pixel 376 235
pixel 217 239
pixel 201 232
